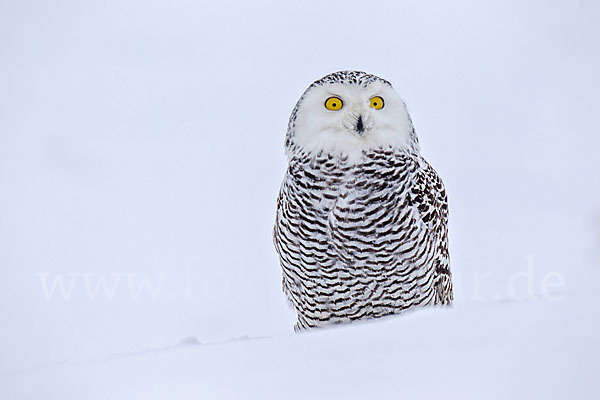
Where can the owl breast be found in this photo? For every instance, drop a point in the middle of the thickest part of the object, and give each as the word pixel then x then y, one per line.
pixel 360 239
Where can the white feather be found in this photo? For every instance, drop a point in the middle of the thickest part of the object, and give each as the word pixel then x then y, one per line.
pixel 319 129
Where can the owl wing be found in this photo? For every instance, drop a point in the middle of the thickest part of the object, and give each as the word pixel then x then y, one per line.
pixel 428 197
pixel 282 242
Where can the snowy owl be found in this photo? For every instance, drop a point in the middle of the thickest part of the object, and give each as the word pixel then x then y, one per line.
pixel 361 224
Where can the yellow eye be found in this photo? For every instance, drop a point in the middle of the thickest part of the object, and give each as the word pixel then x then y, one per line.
pixel 377 103
pixel 333 103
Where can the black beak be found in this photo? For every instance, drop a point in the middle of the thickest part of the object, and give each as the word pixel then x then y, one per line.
pixel 359 125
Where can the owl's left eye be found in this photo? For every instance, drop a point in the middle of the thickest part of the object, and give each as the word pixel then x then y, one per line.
pixel 377 103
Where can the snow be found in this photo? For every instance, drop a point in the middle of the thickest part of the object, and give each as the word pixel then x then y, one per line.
pixel 141 151
pixel 531 349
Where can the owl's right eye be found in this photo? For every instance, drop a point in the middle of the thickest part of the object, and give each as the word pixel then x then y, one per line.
pixel 334 103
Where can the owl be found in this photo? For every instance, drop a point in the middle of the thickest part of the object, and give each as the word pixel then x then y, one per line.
pixel 361 223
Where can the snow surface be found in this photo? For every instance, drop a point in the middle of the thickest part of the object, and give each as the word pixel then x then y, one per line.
pixel 526 350
pixel 141 151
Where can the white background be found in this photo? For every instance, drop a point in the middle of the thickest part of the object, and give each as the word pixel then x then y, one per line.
pixel 144 140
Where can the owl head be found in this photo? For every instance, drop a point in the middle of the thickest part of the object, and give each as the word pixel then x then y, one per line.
pixel 347 113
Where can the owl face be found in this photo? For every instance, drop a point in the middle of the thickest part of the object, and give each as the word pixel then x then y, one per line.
pixel 347 118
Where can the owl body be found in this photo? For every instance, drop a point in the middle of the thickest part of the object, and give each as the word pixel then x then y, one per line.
pixel 361 224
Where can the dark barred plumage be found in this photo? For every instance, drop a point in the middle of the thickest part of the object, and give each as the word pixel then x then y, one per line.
pixel 361 238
